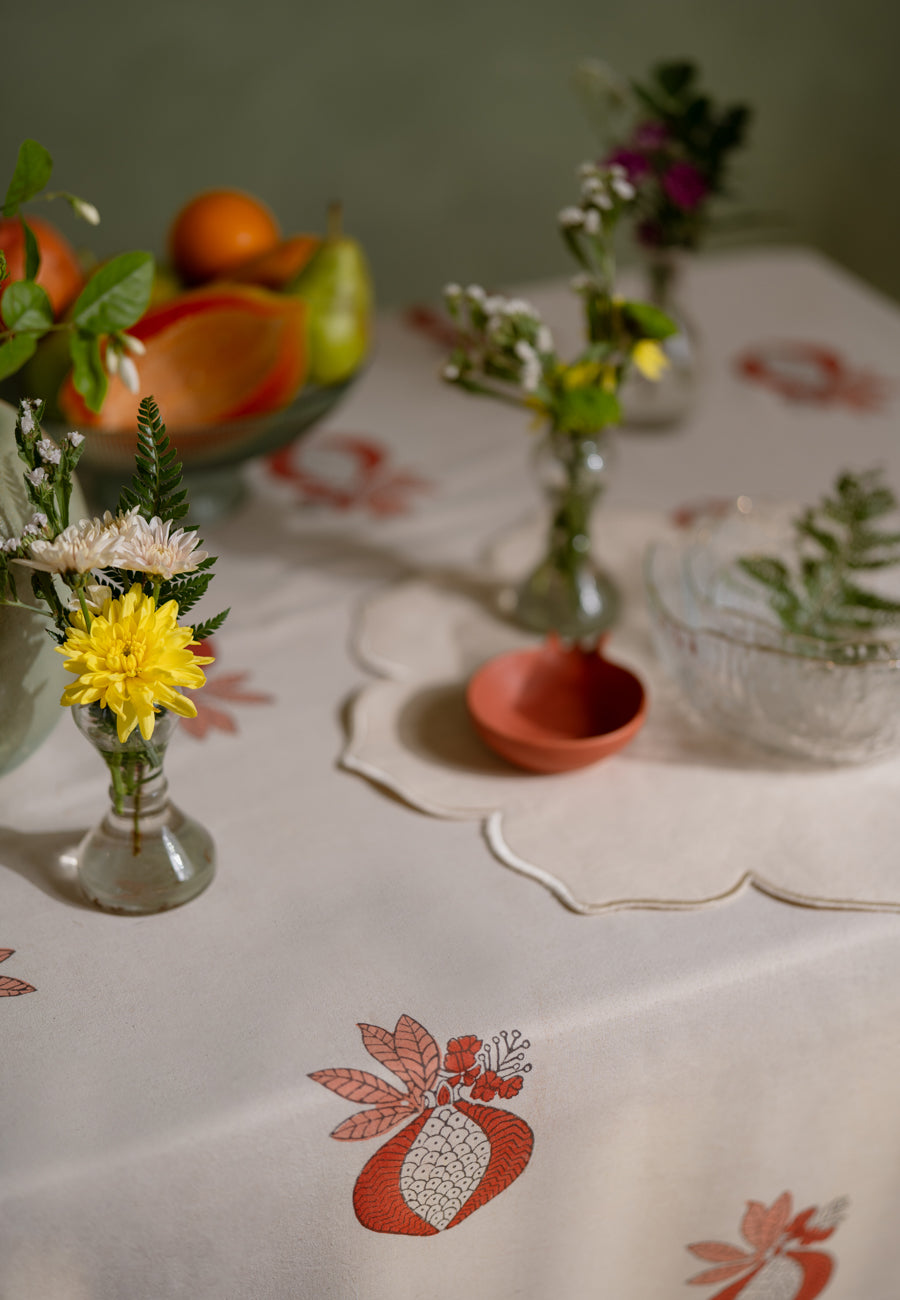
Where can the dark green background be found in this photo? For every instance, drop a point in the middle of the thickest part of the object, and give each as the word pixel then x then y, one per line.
pixel 449 130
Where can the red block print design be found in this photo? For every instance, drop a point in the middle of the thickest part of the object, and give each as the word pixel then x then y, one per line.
pixel 343 472
pixel 9 987
pixel 780 1264
pixel 811 373
pixel 227 687
pixel 453 1154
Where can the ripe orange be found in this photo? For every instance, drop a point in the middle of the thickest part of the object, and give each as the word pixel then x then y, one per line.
pixel 59 272
pixel 217 231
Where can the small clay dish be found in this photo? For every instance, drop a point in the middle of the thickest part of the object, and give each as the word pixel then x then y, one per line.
pixel 555 708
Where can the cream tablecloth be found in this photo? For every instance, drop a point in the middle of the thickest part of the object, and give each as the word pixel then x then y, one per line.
pixel 698 1078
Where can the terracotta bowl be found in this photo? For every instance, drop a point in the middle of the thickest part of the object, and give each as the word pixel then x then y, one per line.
pixel 554 709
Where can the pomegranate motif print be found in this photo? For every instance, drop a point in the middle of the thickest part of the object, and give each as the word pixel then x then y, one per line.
pixel 811 374
pixel 782 1262
pixel 347 472
pixel 9 986
pixel 454 1153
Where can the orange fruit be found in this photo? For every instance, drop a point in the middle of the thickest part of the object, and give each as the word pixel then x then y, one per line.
pixel 212 355
pixel 59 272
pixel 280 265
pixel 217 231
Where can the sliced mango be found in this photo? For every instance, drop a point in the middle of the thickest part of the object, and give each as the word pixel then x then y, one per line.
pixel 212 354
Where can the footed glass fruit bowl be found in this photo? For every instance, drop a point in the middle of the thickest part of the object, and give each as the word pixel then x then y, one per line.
pixel 211 455
pixel 831 701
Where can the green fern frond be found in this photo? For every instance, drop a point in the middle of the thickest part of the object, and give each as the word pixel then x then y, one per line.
pixel 203 630
pixel 156 485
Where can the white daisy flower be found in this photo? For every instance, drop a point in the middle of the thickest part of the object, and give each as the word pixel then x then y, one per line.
pixel 77 549
pixel 152 547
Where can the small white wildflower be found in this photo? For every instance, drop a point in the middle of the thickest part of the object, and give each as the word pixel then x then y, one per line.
pixel 10 544
pixel 36 476
pixel 587 169
pixel 128 373
pixel 616 169
pixel 452 290
pixel 113 357
pixel 475 293
pixel 134 346
pixel 495 324
pixel 74 439
pixel 85 210
pixel 152 547
pixel 602 200
pixel 591 185
pixel 519 307
pixel 49 452
pixel 592 222
pixel 26 419
pixel 30 530
pixel 570 218
pixel 531 374
pixel 623 188
pixel 39 519
pixel 524 350
pixel 450 373
pixel 544 339
pixel 494 305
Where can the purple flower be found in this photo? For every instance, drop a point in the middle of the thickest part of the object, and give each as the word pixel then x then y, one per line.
pixel 651 135
pixel 685 185
pixel 636 164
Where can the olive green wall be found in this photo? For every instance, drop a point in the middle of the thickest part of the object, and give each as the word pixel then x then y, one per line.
pixel 449 129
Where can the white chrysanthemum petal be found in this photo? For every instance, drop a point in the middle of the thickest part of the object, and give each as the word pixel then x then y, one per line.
pixel 152 547
pixel 77 549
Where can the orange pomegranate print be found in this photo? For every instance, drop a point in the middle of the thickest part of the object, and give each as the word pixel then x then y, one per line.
pixel 781 1263
pixel 453 1153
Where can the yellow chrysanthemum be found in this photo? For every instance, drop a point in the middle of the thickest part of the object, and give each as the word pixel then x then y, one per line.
pixel 132 659
pixel 649 358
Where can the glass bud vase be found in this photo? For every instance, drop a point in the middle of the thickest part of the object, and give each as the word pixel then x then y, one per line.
pixel 568 593
pixel 145 855
pixel 648 403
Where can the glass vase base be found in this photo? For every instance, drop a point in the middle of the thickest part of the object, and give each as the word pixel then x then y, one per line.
pixel 580 607
pixel 159 867
pixel 667 401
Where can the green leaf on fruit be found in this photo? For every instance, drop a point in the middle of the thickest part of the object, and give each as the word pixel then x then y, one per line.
pixel 116 296
pixel 15 352
pixel 33 168
pixel 32 250
pixel 26 307
pixel 88 372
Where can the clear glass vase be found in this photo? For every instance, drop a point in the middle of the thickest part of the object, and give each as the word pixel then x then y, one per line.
pixel 569 593
pixel 145 855
pixel 648 403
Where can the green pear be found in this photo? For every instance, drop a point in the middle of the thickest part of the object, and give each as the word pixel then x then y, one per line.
pixel 337 288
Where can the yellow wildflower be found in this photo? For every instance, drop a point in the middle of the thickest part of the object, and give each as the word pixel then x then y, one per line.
pixel 582 374
pixel 649 358
pixel 131 660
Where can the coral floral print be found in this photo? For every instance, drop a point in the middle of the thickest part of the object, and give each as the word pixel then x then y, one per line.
pixel 813 374
pixel 228 689
pixel 782 1262
pixel 10 987
pixel 453 1153
pixel 352 473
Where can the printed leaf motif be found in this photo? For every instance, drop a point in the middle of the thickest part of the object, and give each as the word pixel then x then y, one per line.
pixel 418 1051
pixel 763 1227
pixel 724 1273
pixel 10 988
pixel 718 1252
pixel 369 1123
pixel 379 1043
pixel 360 1086
pixel 6 952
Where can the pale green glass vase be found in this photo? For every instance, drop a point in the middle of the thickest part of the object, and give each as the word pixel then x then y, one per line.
pixel 145 855
pixel 568 592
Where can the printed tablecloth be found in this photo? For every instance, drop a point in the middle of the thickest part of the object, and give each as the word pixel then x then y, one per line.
pixel 371 1061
